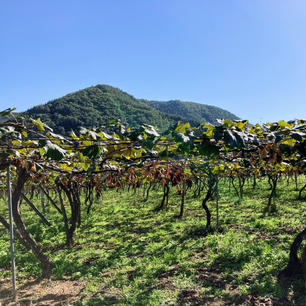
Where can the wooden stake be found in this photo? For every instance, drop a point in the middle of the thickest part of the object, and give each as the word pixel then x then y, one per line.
pixel 9 195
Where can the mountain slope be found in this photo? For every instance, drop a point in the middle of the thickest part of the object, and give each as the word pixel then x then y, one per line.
pixel 192 111
pixel 95 106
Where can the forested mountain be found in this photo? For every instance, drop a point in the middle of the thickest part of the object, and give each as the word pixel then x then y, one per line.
pixel 192 111
pixel 95 106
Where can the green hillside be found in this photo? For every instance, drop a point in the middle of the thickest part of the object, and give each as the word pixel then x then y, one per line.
pixel 192 111
pixel 95 106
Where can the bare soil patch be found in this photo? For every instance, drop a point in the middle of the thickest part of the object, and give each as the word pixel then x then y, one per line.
pixel 41 292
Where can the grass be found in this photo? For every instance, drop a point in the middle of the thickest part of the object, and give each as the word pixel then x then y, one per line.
pixel 127 254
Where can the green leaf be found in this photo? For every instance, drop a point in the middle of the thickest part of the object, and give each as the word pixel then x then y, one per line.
pixel 218 132
pixel 74 137
pixel 93 135
pixel 38 124
pixel 180 137
pixel 240 124
pixel 54 151
pixel 207 148
pixel 240 139
pixel 83 131
pixel 104 136
pixel 290 142
pixel 60 137
pixel 7 112
pixel 163 154
pixel 92 151
pixel 150 129
pixel 283 124
pixel 230 139
pixel 208 129
pixel 182 127
pixel 298 136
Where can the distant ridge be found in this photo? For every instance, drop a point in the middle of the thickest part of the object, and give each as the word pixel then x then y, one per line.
pixel 192 111
pixel 96 105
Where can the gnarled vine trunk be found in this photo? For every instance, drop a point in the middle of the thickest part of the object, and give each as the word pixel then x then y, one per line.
pixel 72 192
pixel 205 207
pixel 296 266
pixel 46 262
pixel 182 200
pixel 273 181
pixel 164 201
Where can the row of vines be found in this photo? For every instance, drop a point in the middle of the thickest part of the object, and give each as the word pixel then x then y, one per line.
pixel 71 172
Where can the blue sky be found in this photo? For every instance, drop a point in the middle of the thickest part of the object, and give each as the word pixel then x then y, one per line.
pixel 247 56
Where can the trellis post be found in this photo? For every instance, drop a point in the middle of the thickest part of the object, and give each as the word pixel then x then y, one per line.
pixel 9 195
pixel 42 197
pixel 217 204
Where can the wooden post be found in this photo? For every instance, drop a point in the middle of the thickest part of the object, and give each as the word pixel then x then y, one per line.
pixel 217 204
pixel 9 195
pixel 42 196
pixel 43 218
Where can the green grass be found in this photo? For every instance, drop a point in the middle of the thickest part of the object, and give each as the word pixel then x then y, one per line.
pixel 130 255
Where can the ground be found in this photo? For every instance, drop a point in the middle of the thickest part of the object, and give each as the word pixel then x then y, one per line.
pixel 127 254
pixel 65 292
pixel 41 292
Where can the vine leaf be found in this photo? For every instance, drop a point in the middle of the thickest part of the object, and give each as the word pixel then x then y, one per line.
pixel 52 150
pixel 182 127
pixel 92 151
pixel 7 112
pixel 150 129
pixel 38 124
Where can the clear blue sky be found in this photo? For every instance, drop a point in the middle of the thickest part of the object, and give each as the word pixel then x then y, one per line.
pixel 247 56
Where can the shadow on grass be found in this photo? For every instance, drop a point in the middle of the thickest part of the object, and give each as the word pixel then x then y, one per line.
pixel 6 292
pixel 141 298
pixel 106 301
pixel 295 284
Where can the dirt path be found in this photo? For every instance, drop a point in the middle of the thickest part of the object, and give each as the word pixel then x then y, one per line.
pixel 41 292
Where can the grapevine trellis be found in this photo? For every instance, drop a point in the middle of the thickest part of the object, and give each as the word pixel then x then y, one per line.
pixel 117 157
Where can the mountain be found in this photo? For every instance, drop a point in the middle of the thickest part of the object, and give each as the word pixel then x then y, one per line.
pixel 95 106
pixel 192 111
